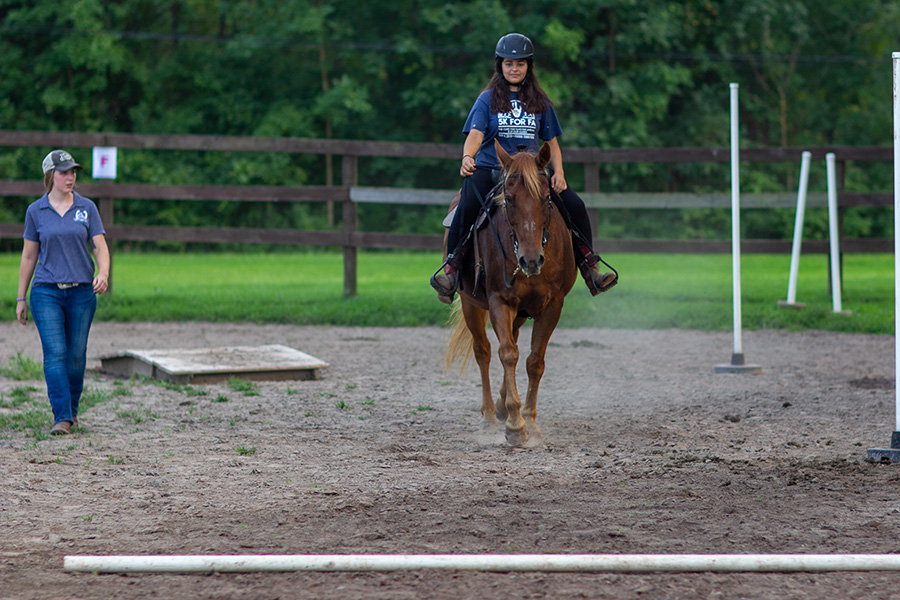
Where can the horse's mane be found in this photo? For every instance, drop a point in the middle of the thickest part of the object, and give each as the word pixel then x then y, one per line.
pixel 524 164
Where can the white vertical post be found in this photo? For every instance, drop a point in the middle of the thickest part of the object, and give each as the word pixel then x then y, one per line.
pixel 834 242
pixel 737 357
pixel 798 227
pixel 896 61
pixel 892 454
pixel 736 217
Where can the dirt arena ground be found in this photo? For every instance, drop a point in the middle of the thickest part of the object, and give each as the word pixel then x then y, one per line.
pixel 646 450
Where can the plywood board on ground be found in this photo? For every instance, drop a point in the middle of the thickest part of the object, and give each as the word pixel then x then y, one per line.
pixel 211 365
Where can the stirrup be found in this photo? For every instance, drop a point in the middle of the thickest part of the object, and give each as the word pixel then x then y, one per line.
pixel 606 283
pixel 587 272
pixel 441 289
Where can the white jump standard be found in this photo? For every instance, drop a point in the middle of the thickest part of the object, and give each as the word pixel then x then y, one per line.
pixel 737 357
pixel 892 454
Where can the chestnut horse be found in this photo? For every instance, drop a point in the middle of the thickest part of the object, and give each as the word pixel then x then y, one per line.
pixel 528 268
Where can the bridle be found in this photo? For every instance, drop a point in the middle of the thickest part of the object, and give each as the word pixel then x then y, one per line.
pixel 507 200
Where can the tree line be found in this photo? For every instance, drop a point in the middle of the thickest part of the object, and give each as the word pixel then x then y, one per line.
pixel 621 73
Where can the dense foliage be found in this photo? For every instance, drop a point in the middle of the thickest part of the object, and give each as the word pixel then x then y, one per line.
pixel 622 73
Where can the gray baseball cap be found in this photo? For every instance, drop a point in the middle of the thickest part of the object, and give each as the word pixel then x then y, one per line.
pixel 59 160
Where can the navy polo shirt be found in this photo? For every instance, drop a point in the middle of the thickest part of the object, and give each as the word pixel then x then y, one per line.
pixel 512 129
pixel 63 256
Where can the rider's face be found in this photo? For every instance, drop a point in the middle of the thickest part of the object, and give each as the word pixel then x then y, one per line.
pixel 514 70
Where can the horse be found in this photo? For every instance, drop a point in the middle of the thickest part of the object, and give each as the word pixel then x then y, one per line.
pixel 527 268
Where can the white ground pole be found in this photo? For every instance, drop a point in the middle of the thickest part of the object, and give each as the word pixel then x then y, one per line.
pixel 594 563
pixel 834 240
pixel 892 454
pixel 737 357
pixel 791 301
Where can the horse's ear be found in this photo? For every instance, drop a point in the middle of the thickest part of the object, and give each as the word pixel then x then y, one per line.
pixel 544 156
pixel 502 155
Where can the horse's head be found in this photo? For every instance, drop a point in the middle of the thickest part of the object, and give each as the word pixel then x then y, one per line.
pixel 526 202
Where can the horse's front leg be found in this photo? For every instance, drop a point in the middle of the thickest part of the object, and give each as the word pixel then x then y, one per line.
pixel 503 319
pixel 501 406
pixel 534 365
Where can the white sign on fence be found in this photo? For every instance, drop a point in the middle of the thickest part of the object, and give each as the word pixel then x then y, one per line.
pixel 104 162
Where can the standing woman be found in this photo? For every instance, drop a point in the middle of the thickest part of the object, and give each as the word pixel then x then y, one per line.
pixel 58 228
pixel 514 110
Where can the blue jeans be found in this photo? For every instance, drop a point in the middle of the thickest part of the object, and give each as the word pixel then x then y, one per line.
pixel 63 319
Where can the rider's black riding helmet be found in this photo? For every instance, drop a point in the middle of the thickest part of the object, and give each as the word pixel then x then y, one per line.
pixel 514 45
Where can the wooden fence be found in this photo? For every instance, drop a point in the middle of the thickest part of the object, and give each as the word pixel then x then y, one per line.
pixel 349 194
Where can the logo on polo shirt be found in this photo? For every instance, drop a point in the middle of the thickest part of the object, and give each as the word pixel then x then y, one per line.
pixel 81 216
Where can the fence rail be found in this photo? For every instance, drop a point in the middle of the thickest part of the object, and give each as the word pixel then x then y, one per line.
pixel 349 194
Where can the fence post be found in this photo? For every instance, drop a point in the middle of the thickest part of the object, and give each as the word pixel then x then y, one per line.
pixel 105 208
pixel 349 172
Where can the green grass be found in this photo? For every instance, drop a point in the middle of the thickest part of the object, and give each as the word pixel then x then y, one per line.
pixel 18 396
pixel 244 386
pixel 655 291
pixel 31 412
pixel 22 368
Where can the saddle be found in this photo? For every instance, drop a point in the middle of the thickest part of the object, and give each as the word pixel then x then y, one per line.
pixel 470 241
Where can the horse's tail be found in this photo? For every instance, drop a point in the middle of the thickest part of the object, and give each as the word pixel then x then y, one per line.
pixel 459 348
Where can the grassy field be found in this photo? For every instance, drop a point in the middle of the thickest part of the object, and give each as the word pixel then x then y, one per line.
pixel 655 291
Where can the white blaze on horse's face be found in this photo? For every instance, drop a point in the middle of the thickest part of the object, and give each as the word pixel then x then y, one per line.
pixel 527 217
pixel 527 205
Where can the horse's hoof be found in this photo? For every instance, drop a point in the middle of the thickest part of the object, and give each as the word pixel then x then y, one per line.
pixel 489 425
pixel 517 439
pixel 535 440
pixel 535 437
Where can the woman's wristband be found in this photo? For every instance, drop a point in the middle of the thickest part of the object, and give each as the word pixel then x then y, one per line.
pixel 465 156
pixel 21 299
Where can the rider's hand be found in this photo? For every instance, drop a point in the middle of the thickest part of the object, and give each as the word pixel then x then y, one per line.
pixel 558 182
pixel 467 167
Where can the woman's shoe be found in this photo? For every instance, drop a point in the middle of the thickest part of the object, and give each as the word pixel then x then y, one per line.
pixel 61 428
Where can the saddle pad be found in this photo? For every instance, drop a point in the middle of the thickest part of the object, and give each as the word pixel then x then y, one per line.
pixel 449 218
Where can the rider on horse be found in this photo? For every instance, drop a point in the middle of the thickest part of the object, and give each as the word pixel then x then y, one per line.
pixel 514 110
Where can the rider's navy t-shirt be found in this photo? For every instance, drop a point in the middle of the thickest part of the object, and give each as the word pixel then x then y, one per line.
pixel 63 256
pixel 512 129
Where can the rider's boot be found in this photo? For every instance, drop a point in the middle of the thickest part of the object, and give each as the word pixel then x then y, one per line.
pixel 446 282
pixel 596 281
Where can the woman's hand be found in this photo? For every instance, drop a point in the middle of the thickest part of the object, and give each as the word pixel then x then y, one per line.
pixel 467 167
pixel 470 149
pixel 22 312
pixel 101 284
pixel 558 182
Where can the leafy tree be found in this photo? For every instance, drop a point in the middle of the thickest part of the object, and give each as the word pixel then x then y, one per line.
pixel 621 74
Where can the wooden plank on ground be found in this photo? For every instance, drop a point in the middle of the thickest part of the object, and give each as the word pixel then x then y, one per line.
pixel 272 362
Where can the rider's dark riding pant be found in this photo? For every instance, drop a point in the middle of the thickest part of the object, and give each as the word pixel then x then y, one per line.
pixel 577 213
pixel 481 181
